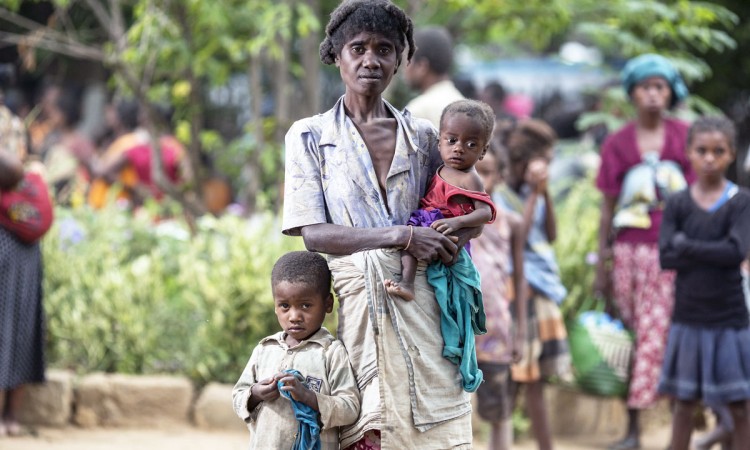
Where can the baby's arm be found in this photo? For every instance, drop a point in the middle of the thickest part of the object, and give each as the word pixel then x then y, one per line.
pixel 341 406
pixel 248 393
pixel 483 212
pixel 481 215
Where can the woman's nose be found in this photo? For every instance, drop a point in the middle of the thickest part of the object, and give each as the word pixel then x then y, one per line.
pixel 370 60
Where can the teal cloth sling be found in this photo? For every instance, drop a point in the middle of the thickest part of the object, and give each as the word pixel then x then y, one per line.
pixel 461 314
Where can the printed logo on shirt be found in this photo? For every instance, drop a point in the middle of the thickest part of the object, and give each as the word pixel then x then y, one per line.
pixel 314 384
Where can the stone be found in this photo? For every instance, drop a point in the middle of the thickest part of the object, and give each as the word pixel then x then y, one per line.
pixel 127 400
pixel 214 411
pixel 50 403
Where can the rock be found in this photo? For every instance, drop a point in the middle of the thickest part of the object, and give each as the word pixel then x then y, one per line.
pixel 126 400
pixel 49 404
pixel 573 413
pixel 213 410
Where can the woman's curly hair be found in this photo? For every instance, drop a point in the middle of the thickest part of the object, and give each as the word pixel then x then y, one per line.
pixel 355 16
pixel 530 138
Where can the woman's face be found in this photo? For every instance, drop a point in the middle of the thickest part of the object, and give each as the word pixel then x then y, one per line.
pixel 653 94
pixel 367 63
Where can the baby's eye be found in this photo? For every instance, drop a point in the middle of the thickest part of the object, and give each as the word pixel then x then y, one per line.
pixel 452 140
pixel 283 305
pixel 306 306
pixel 471 144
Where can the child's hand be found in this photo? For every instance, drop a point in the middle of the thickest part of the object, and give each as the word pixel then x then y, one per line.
pixel 265 390
pixel 445 226
pixel 537 174
pixel 297 389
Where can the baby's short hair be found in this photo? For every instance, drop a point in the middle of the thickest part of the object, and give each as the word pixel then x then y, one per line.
pixel 477 110
pixel 304 267
pixel 713 123
pixel 356 16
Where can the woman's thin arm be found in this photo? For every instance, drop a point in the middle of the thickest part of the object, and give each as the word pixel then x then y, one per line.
pixel 423 242
pixel 550 222
pixel 602 282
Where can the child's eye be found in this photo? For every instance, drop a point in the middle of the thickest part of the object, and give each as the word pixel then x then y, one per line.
pixel 306 306
pixel 283 305
pixel 452 140
pixel 471 144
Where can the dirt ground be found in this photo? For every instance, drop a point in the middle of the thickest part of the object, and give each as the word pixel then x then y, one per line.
pixel 188 438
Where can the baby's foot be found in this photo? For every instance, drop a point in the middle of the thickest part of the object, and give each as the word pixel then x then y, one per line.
pixel 403 290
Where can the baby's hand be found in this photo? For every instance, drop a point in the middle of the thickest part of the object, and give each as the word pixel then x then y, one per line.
pixel 444 226
pixel 265 390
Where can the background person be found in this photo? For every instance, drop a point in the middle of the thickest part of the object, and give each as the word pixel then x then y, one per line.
pixel 628 268
pixel 429 73
pixel 705 237
pixel 21 310
pixel 353 176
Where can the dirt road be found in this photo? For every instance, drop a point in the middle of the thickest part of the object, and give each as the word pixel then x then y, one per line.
pixel 188 438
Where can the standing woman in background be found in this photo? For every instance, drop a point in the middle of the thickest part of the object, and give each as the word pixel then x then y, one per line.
pixel 21 312
pixel 641 164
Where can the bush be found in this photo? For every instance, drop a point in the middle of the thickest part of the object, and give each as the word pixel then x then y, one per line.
pixel 126 294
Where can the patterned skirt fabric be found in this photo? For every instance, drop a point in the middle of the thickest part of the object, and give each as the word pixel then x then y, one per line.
pixel 709 364
pixel 21 313
pixel 644 295
pixel 545 352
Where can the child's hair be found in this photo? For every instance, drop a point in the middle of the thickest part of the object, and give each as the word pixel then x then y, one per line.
pixel 477 110
pixel 713 123
pixel 356 16
pixel 528 139
pixel 304 267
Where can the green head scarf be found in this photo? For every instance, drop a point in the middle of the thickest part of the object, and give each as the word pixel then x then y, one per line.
pixel 652 65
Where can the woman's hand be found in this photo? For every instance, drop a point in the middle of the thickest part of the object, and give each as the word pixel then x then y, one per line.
pixel 430 245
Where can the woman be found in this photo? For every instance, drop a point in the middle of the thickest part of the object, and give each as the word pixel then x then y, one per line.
pixel 353 175
pixel 21 313
pixel 641 164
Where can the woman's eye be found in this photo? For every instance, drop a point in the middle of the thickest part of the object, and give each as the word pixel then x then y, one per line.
pixel 385 50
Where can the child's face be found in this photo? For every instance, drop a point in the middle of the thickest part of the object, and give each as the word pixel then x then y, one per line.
pixel 710 154
pixel 652 95
pixel 462 141
pixel 300 309
pixel 489 172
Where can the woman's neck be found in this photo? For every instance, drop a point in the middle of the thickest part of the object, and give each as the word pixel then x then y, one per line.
pixel 650 120
pixel 363 109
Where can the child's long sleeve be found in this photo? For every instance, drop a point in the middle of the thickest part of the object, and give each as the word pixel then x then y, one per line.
pixel 342 406
pixel 241 390
pixel 669 257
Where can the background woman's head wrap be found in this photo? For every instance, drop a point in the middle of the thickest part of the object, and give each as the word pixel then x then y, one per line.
pixel 652 65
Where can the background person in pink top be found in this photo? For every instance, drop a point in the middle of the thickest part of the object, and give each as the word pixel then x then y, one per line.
pixel 642 163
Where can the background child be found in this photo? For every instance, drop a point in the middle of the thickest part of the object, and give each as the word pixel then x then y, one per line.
pixel 496 253
pixel 529 149
pixel 301 284
pixel 705 236
pixel 455 198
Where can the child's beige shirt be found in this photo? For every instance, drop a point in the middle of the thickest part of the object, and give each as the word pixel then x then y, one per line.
pixel 324 363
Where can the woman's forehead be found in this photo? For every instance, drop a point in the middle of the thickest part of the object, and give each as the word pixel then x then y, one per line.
pixel 370 36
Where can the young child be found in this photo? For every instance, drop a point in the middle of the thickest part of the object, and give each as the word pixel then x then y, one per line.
pixel 705 236
pixel 327 389
pixel 498 256
pixel 529 148
pixel 455 198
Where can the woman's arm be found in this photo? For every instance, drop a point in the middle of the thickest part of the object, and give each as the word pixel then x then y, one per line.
pixel 11 171
pixel 550 222
pixel 602 281
pixel 423 242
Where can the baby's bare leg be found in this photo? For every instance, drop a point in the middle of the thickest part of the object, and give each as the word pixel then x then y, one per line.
pixel 405 287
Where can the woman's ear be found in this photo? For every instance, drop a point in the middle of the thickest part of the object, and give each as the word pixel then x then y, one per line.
pixel 337 61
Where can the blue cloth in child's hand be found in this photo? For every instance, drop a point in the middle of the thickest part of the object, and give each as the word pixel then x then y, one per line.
pixel 308 432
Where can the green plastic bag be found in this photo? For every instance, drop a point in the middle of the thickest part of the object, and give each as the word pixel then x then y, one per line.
pixel 601 352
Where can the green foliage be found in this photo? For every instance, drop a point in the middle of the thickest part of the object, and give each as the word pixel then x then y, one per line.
pixel 125 295
pixel 578 225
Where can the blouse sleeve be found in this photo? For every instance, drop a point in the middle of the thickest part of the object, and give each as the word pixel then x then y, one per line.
pixel 304 201
pixel 241 391
pixel 607 179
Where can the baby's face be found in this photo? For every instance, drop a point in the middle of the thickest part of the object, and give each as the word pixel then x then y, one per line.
pixel 462 141
pixel 300 309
